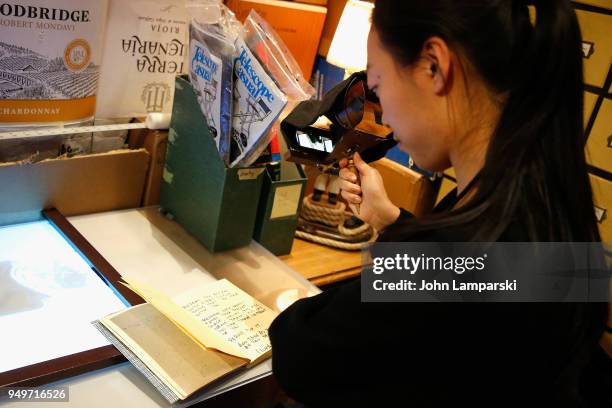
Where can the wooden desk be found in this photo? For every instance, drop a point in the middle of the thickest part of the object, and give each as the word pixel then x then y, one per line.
pixel 322 265
pixel 144 245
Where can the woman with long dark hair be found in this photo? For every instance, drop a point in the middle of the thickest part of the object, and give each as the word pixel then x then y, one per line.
pixel 482 86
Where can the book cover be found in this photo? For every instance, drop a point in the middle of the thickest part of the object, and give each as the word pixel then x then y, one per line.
pixel 299 25
pixel 325 76
pixel 258 101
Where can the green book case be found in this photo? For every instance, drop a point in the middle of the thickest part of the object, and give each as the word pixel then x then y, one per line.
pixel 216 204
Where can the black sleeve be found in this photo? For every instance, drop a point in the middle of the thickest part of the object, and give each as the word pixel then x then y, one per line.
pixel 334 350
pixel 404 215
pixel 312 347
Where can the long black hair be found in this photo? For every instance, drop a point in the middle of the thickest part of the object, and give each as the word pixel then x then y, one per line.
pixel 535 168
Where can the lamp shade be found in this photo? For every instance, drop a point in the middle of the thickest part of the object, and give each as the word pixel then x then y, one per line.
pixel 349 45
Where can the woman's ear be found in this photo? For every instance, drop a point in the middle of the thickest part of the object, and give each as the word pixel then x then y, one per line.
pixel 436 52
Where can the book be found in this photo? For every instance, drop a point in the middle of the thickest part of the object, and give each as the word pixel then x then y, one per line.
pixel 325 77
pixel 299 25
pixel 188 342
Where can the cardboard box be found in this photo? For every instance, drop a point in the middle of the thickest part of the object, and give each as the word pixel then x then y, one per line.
pixel 279 206
pixel 155 143
pixel 35 149
pixel 298 25
pixel 76 185
pixel 217 205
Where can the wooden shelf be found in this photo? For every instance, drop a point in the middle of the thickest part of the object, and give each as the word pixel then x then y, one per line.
pixel 323 265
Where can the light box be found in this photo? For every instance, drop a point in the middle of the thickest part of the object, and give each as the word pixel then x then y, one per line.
pixel 50 292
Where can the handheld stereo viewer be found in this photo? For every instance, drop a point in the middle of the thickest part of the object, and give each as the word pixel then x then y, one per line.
pixel 348 120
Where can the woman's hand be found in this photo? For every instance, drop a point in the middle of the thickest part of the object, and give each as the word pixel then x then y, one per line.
pixel 375 208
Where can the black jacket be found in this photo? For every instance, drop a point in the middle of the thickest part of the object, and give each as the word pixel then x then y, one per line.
pixel 333 350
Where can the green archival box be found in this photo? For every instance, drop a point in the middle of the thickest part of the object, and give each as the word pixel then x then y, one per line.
pixel 279 207
pixel 216 204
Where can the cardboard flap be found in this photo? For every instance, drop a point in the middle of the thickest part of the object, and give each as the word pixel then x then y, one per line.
pixel 76 185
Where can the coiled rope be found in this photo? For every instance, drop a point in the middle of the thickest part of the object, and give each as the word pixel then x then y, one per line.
pixel 333 217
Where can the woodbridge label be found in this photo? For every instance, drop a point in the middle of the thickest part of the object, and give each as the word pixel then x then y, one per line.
pixel 147 42
pixel 49 60
pixel 43 13
pixel 257 103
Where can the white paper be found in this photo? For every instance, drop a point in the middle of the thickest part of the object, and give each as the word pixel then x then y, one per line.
pixel 231 314
pixel 145 47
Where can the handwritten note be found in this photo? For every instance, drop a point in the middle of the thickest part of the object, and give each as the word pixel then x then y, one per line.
pixel 232 315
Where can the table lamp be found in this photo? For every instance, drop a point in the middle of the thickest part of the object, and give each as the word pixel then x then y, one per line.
pixel 348 49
